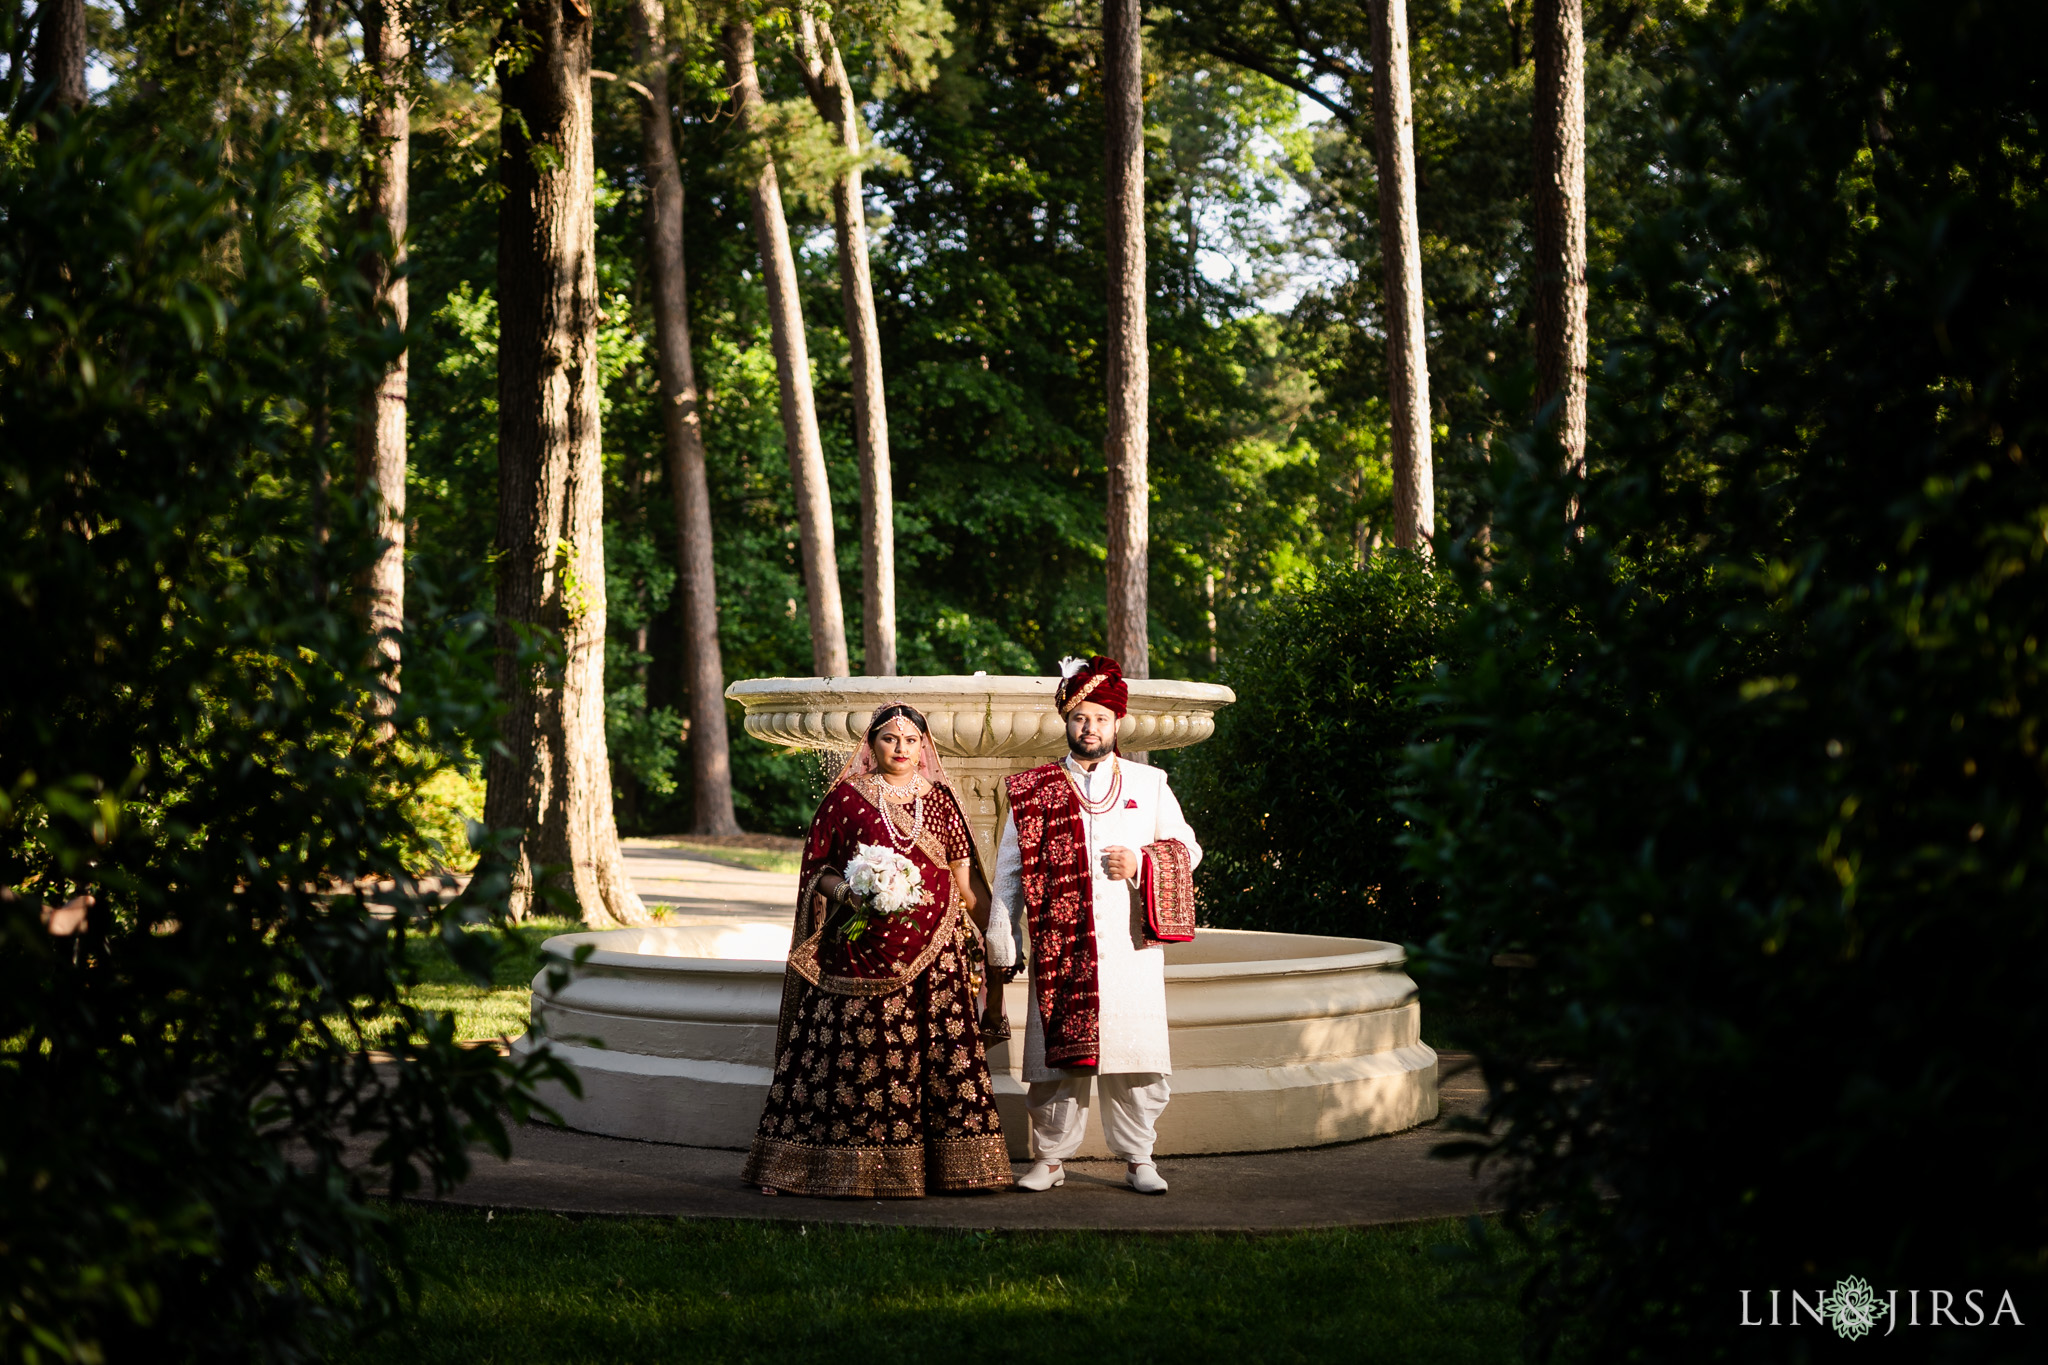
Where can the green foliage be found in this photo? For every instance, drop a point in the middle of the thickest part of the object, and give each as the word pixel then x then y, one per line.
pixel 1470 69
pixel 985 191
pixel 441 807
pixel 1294 796
pixel 992 313
pixel 1751 779
pixel 540 1289
pixel 990 298
pixel 194 1122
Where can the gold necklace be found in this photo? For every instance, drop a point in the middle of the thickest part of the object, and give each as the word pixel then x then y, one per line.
pixel 1116 788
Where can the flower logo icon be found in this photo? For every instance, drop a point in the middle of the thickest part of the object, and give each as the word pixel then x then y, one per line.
pixel 1853 1308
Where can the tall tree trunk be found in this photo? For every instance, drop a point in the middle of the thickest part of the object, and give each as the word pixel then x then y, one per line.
pixel 1401 261
pixel 553 779
pixel 59 66
pixel 380 421
pixel 1559 135
pixel 825 78
pixel 1129 366
pixel 793 370
pixel 682 425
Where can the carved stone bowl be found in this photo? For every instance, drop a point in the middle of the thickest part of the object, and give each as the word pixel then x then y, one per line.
pixel 986 727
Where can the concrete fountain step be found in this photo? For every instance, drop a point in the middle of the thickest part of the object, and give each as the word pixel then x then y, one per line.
pixel 1381 1180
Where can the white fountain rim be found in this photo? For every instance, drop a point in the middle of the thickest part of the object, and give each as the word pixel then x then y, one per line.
pixel 1380 955
pixel 964 687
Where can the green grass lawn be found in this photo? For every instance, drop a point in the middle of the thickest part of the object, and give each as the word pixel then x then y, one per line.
pixel 492 1011
pixel 537 1288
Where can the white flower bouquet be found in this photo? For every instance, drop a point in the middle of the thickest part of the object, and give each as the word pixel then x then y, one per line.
pixel 884 883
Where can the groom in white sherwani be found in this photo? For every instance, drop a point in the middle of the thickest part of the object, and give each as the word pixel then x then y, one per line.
pixel 1094 865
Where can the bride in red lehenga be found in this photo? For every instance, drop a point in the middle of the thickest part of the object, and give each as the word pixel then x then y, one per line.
pixel 881 1084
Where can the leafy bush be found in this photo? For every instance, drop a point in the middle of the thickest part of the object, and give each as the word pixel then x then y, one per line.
pixel 1293 797
pixel 194 1122
pixel 1750 781
pixel 446 803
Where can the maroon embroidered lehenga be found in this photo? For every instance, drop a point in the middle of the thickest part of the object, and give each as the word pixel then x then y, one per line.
pixel 881 1085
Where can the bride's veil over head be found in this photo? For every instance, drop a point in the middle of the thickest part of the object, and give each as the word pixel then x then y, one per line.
pixel 862 760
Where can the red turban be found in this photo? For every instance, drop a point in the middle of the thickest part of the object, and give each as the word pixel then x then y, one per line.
pixel 1100 680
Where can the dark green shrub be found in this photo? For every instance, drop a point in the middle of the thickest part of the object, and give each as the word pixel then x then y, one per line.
pixel 1293 797
pixel 193 1125
pixel 1749 783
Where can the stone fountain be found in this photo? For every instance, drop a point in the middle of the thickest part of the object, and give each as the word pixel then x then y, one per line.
pixel 1279 1040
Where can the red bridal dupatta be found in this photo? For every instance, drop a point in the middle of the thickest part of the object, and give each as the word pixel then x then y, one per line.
pixel 892 952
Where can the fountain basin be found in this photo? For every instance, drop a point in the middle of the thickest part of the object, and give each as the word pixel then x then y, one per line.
pixel 1279 1040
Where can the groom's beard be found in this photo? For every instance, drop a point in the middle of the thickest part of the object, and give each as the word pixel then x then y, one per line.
pixel 1088 752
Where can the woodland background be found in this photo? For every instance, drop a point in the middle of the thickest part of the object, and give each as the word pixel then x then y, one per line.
pixel 1705 791
pixel 1268 405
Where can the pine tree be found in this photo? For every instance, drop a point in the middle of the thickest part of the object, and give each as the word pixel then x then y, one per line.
pixel 683 432
pixel 551 777
pixel 793 370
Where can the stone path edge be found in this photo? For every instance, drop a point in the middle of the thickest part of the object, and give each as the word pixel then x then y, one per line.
pixel 1381 1181
pixel 964 1229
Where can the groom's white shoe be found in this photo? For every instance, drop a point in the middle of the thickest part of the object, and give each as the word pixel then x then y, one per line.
pixel 1144 1177
pixel 1043 1175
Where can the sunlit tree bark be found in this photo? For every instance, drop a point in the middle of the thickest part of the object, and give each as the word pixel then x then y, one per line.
pixel 1559 135
pixel 1125 448
pixel 1401 264
pixel 825 79
pixel 380 422
pixel 683 430
pixel 815 539
pixel 552 778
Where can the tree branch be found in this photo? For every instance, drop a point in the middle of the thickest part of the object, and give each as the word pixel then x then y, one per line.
pixel 1311 47
pixel 810 68
pixel 642 91
pixel 1263 65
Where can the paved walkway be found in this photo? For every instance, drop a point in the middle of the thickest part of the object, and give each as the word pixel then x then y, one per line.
pixel 690 884
pixel 1380 1180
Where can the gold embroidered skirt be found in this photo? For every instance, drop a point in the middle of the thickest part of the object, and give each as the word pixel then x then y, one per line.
pixel 883 1096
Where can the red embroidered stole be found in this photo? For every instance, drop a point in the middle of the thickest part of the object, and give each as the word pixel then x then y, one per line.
pixel 1168 880
pixel 1059 913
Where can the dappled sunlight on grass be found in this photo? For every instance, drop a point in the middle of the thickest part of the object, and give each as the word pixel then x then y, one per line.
pixel 488 1011
pixel 535 1287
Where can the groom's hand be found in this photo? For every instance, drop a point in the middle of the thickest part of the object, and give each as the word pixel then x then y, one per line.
pixel 1119 863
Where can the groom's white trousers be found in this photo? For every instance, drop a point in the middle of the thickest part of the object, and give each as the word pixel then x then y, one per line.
pixel 1132 1102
